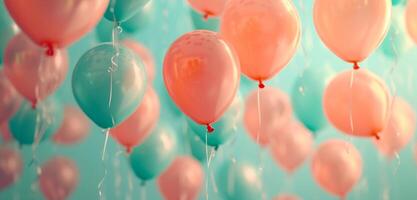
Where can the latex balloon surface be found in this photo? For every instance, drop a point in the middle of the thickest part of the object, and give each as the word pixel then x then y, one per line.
pixel 10 166
pixel 122 10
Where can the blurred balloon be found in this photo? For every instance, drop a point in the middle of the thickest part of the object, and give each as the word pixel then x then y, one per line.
pixel 199 22
pixel 212 8
pixel 10 166
pixel 34 75
pixel 144 17
pixel 154 155
pixel 275 112
pixel 109 83
pixel 287 197
pixel 201 75
pixel 356 102
pixel 122 10
pixel 197 146
pixel 400 129
pixel 135 129
pixel 146 56
pixel 399 2
pixel 9 99
pixel 74 127
pixel 337 167
pixel 307 96
pixel 7 29
pixel 265 35
pixel 411 19
pixel 183 180
pixel 5 132
pixel 59 178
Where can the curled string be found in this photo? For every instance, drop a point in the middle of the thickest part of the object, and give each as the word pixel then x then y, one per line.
pixel 100 184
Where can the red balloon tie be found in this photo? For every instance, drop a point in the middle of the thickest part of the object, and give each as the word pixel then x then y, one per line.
pixel 210 129
pixel 356 66
pixel 34 104
pixel 49 50
pixel 207 14
pixel 261 84
pixel 128 149
pixel 377 136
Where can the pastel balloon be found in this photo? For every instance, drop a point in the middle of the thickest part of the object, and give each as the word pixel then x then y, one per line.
pixel 307 96
pixel 7 29
pixel 51 23
pixel 199 22
pixel 399 130
pixel 59 178
pixel 287 197
pixel 274 113
pixel 210 8
pixel 5 132
pixel 352 29
pixel 357 103
pixel 10 166
pixel 122 10
pixel 117 79
pixel 265 35
pixel 146 56
pixel 154 155
pixel 411 19
pixel 135 129
pixel 399 2
pixel 291 147
pixel 9 98
pixel 201 75
pixel 74 128
pixel 197 146
pixel 337 166
pixel 34 75
pixel 182 180
pixel 143 18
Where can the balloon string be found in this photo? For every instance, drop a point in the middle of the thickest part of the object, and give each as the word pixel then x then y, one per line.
pixel 143 190
pixel 304 50
pixel 352 77
pixel 209 158
pixel 100 184
pixel 130 185
pixel 117 174
pixel 259 115
pixel 398 163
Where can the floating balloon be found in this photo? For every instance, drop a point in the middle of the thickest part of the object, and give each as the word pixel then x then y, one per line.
pixel 59 178
pixel 75 127
pixel 144 17
pixel 135 129
pixel 182 180
pixel 275 112
pixel 199 22
pixel 212 8
pixel 398 2
pixel 201 75
pixel 109 83
pixel 145 55
pixel 357 102
pixel 7 29
pixel 9 99
pixel 411 19
pixel 197 146
pixel 287 197
pixel 5 132
pixel 34 75
pixel 337 167
pixel 122 10
pixel 265 35
pixel 10 166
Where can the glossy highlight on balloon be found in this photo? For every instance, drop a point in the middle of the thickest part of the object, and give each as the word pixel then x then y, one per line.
pixel 122 10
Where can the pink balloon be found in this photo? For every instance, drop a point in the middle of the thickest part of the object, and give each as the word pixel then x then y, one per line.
pixel 212 8
pixel 275 112
pixel 74 127
pixel 337 167
pixel 265 35
pixel 146 56
pixel 5 132
pixel 400 129
pixel 10 166
pixel 292 146
pixel 133 131
pixel 59 178
pixel 415 152
pixel 411 19
pixel 9 99
pixel 201 75
pixel 287 197
pixel 352 29
pixel 357 104
pixel 182 180
pixel 34 75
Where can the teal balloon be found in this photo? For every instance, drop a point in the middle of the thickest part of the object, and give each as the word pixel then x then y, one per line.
pixel 122 10
pixel 307 97
pixel 155 154
pixel 399 2
pixel 7 29
pixel 197 146
pixel 239 181
pixel 109 92
pixel 200 23
pixel 141 19
pixel 42 121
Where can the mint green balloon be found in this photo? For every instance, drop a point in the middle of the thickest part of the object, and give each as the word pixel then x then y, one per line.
pixel 399 2
pixel 141 19
pixel 7 29
pixel 122 10
pixel 109 92
pixel 200 23
pixel 197 146
pixel 155 154
pixel 42 121
pixel 307 97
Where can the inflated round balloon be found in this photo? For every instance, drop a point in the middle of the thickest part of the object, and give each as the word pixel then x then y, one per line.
pixel 307 96
pixel 265 35
pixel 275 112
pixel 74 128
pixel 154 155
pixel 59 178
pixel 9 98
pixel 337 166
pixel 122 10
pixel 197 146
pixel 287 197
pixel 411 19
pixel 6 136
pixel 352 29
pixel 42 122
pixel 144 17
pixel 146 56
pixel 109 83
pixel 400 129
pixel 34 75
pixel 10 166
pixel 201 74
pixel 7 29
pixel 182 180
pixel 51 23
pixel 398 2
pixel 212 8
pixel 135 129
pixel 199 22
pixel 357 103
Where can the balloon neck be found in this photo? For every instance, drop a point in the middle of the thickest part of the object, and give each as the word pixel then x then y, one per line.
pixel 207 14
pixel 143 183
pixel 216 147
pixel 377 137
pixel 128 149
pixel 33 104
pixel 355 66
pixel 50 50
pixel 261 84
pixel 210 129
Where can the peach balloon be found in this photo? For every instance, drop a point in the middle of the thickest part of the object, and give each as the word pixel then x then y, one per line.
pixel 275 112
pixel 10 166
pixel 357 103
pixel 265 35
pixel 201 74
pixel 183 180
pixel 411 19
pixel 74 127
pixel 9 99
pixel 287 197
pixel 352 29
pixel 337 166
pixel 145 55
pixel 400 129
pixel 211 8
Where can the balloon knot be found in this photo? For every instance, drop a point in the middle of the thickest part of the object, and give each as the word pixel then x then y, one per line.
pixel 210 129
pixel 377 136
pixel 207 14
pixel 34 103
pixel 216 147
pixel 49 50
pixel 261 84
pixel 128 149
pixel 356 66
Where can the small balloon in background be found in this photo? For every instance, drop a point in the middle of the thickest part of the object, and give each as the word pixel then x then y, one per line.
pixel 146 56
pixel 108 84
pixel 182 180
pixel 287 197
pixel 144 17
pixel 10 166
pixel 411 19
pixel 59 178
pixel 337 166
pixel 74 128
pixel 9 98
pixel 7 29
pixel 122 10
pixel 5 132
pixel 197 146
pixel 212 8
pixel 200 23
pixel 399 2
